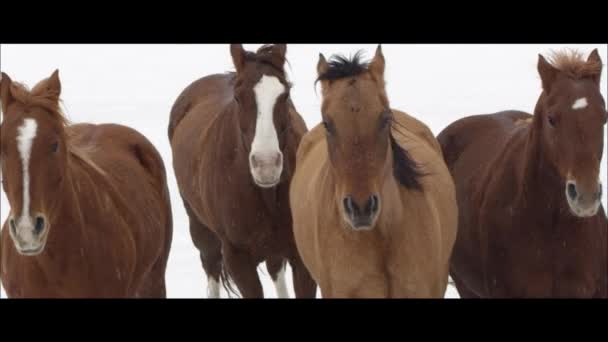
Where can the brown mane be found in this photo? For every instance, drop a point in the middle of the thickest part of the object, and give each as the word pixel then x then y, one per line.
pixel 264 55
pixel 572 63
pixel 38 96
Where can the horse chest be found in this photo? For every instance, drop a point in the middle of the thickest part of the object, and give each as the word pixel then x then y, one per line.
pixel 528 258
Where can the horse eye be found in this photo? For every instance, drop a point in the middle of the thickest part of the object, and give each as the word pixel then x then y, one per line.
pixel 328 127
pixel 551 120
pixel 54 147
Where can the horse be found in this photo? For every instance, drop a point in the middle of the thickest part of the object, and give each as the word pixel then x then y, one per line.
pixel 90 213
pixel 531 222
pixel 373 203
pixel 234 137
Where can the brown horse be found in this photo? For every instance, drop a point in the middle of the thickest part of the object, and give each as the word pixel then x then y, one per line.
pixel 373 202
pixel 531 222
pixel 234 139
pixel 90 214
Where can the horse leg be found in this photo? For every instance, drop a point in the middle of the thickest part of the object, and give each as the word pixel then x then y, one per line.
pixel 154 284
pixel 210 250
pixel 276 269
pixel 303 284
pixel 463 290
pixel 243 270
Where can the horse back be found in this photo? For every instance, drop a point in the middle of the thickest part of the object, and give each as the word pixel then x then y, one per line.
pixel 485 134
pixel 132 172
pixel 208 92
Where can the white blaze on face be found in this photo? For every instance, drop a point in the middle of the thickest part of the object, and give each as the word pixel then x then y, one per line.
pixel 266 157
pixel 25 139
pixel 580 103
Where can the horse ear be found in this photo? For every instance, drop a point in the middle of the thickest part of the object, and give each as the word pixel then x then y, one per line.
pixel 547 72
pixel 50 88
pixel 594 58
pixel 6 98
pixel 278 53
pixel 376 66
pixel 238 56
pixel 322 65
pixel 54 85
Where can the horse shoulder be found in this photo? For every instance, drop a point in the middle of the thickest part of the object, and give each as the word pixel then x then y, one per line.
pixel 297 123
pixel 417 127
pixel 308 142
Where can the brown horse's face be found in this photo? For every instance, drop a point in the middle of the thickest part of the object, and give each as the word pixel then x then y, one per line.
pixel 573 119
pixel 262 94
pixel 33 161
pixel 357 118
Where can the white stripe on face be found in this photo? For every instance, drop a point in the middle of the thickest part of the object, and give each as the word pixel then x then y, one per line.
pixel 580 103
pixel 266 91
pixel 266 159
pixel 25 139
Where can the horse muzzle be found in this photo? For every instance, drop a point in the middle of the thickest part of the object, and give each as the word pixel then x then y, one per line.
pixel 29 234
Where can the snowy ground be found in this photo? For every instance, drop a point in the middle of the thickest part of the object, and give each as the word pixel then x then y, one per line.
pixel 136 85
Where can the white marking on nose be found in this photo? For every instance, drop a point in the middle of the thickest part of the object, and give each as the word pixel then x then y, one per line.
pixel 580 103
pixel 267 90
pixel 25 139
pixel 281 285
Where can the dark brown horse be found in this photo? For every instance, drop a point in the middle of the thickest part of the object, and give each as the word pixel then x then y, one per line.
pixel 531 222
pixel 90 209
pixel 234 138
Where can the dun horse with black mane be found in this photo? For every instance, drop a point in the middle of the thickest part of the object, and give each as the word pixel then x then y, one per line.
pixel 234 138
pixel 373 202
pixel 90 212
pixel 531 222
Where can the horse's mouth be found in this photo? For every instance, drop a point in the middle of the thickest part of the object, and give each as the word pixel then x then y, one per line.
pixel 36 250
pixel 267 185
pixel 359 225
pixel 31 251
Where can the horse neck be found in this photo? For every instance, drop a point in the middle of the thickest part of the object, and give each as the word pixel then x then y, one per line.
pixel 539 180
pixel 231 134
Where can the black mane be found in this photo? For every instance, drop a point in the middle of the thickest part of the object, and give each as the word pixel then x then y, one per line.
pixel 405 168
pixel 340 66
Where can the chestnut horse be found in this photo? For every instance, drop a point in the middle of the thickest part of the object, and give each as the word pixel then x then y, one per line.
pixel 234 138
pixel 531 222
pixel 373 202
pixel 90 214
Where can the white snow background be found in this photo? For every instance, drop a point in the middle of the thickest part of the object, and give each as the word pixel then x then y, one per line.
pixel 136 85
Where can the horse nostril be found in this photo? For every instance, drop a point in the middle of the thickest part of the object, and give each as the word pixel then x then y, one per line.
pixel 599 193
pixel 13 226
pixel 372 205
pixel 572 190
pixel 348 205
pixel 254 162
pixel 39 225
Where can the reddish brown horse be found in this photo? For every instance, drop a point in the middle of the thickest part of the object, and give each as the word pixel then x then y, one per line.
pixel 531 222
pixel 90 210
pixel 234 139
